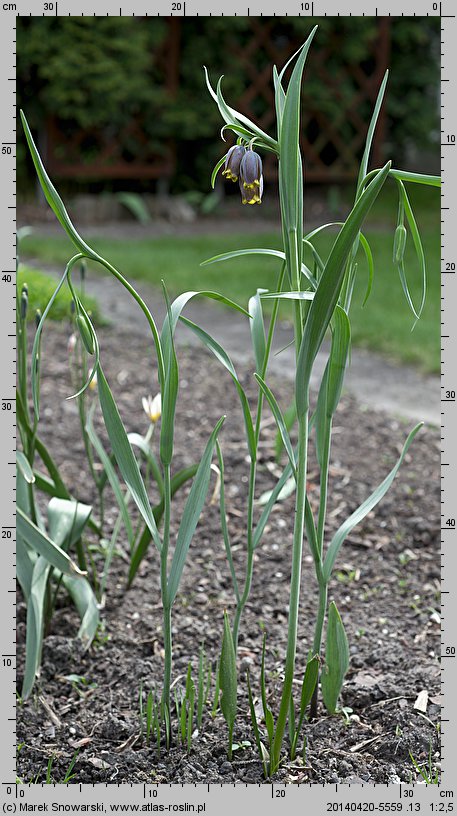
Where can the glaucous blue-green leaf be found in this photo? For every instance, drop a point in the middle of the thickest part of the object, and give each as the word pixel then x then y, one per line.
pixel 328 290
pixel 257 328
pixel 336 660
pixel 228 679
pixel 191 515
pixel 358 515
pixel 124 455
pixel 223 358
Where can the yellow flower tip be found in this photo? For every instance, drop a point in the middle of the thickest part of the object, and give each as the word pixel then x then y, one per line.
pixel 93 382
pixel 152 407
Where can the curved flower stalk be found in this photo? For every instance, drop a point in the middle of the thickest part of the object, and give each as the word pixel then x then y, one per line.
pixel 322 299
pixel 172 554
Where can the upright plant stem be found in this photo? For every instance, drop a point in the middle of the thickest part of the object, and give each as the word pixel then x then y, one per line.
pixel 167 640
pixel 317 642
pixel 294 591
pixel 252 475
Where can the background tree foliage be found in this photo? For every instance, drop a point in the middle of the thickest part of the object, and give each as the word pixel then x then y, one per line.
pixel 101 72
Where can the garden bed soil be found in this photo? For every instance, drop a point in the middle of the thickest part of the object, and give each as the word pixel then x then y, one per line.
pixel 386 586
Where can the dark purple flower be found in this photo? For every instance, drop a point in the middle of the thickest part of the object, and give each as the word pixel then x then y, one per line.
pixel 251 178
pixel 232 162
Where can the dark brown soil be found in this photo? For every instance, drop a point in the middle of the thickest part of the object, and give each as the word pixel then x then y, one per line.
pixel 386 585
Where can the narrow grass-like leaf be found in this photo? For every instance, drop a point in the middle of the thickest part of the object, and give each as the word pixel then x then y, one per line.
pixel 288 295
pixel 228 680
pixel 223 358
pixel 309 684
pixel 327 292
pixel 124 455
pixel 217 167
pixel 419 252
pixel 178 480
pixel 268 716
pixel 273 498
pixel 280 98
pixel 42 544
pixel 111 474
pixel 275 253
pixel 178 306
pixel 169 392
pixel 362 511
pixel 52 196
pixel 290 417
pixel 336 660
pixel 369 256
pixel 224 526
pixel 191 514
pixel 416 178
pixel 255 725
pixel 289 152
pixel 257 328
pixel 279 419
pixel 138 441
pixel 371 129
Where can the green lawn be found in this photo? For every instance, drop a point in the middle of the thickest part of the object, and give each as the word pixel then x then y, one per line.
pixel 384 324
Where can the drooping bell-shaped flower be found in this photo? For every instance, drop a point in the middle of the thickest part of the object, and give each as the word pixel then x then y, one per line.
pixel 232 162
pixel 251 178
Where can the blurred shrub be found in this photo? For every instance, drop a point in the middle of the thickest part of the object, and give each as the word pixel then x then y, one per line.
pixel 103 71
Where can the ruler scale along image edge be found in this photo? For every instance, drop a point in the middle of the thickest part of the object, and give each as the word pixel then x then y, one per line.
pixel 202 798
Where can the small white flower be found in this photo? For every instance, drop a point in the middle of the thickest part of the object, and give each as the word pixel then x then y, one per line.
pixel 71 343
pixel 152 407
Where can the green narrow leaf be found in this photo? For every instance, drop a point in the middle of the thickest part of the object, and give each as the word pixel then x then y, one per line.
pixel 111 474
pixel 419 253
pixel 257 328
pixel 124 455
pixel 43 545
pixel 327 293
pixel 217 167
pixel 138 441
pixel 268 716
pixel 223 358
pixel 290 417
pixel 290 161
pixel 280 98
pixel 279 419
pixel 178 480
pixel 336 660
pixel 309 683
pixel 170 392
pixel 275 253
pixel 289 296
pixel 191 514
pixel 52 196
pixel 228 680
pixel 233 117
pixel 369 256
pixel 223 518
pixel 362 511
pixel 371 129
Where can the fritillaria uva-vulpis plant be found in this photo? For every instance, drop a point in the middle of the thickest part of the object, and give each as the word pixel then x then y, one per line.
pixel 168 386
pixel 322 298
